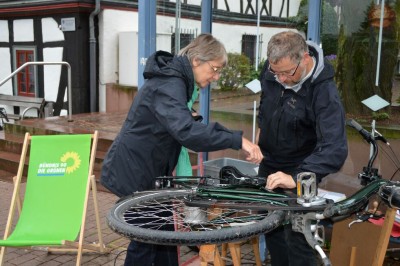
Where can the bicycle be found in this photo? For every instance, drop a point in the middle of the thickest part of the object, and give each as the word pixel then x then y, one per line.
pixel 204 210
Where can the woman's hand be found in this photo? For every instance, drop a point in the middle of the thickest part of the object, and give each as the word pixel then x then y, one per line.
pixel 252 151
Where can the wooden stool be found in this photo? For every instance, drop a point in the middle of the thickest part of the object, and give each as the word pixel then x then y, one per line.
pixel 210 253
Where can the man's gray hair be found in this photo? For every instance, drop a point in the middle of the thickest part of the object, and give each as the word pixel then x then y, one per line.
pixel 286 44
pixel 205 48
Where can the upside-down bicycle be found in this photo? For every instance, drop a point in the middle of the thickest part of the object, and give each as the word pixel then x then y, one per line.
pixel 204 210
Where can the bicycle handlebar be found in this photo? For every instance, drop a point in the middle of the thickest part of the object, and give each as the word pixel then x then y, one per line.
pixel 369 173
pixel 364 133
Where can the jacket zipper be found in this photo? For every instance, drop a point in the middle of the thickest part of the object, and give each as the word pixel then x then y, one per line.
pixel 280 116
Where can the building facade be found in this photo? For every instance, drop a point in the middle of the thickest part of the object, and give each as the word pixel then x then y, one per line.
pixel 65 31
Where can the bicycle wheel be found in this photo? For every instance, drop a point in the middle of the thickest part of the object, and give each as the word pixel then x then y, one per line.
pixel 162 217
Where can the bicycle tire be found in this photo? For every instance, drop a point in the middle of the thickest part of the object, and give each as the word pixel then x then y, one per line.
pixel 184 233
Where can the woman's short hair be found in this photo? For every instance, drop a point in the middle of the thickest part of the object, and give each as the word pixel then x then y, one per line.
pixel 286 44
pixel 205 48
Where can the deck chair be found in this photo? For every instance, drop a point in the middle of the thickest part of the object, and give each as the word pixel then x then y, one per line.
pixel 59 180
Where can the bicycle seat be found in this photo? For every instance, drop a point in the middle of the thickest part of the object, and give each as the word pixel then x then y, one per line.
pixel 232 176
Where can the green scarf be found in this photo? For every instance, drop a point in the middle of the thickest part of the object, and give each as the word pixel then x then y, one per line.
pixel 184 167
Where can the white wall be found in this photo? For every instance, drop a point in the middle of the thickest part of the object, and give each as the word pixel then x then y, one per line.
pixel 23 30
pixel 52 73
pixel 51 31
pixel 128 58
pixel 113 22
pixel 5 62
pixel 4 34
pixel 5 70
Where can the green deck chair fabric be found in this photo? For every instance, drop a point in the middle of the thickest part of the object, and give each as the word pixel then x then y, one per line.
pixel 55 191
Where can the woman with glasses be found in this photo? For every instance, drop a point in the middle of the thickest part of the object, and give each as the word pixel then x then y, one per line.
pixel 159 123
pixel 301 129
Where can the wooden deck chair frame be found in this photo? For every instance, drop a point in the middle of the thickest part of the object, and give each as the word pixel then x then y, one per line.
pixel 67 246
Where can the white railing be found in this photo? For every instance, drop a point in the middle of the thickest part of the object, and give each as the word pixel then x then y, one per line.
pixel 48 63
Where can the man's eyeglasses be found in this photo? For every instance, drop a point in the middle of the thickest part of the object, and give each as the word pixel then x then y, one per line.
pixel 217 70
pixel 284 73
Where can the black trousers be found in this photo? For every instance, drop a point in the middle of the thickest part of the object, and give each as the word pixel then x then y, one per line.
pixel 289 248
pixel 286 247
pixel 141 254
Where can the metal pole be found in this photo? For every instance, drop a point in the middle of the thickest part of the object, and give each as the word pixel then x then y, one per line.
pixel 258 33
pixel 206 27
pixel 254 121
pixel 146 35
pixel 178 26
pixel 378 61
pixel 93 59
pixel 314 16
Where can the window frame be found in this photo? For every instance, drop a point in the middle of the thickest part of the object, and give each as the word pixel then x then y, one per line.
pixel 16 80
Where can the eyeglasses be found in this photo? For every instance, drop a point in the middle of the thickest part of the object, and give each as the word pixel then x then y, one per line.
pixel 284 73
pixel 217 70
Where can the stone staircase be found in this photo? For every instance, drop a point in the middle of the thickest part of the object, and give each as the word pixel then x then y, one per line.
pixel 11 142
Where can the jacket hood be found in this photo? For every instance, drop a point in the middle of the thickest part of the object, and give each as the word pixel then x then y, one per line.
pixel 318 54
pixel 164 64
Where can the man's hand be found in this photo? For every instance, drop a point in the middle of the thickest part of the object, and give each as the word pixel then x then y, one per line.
pixel 280 179
pixel 252 151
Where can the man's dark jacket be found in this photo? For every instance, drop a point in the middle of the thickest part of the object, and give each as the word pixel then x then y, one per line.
pixel 158 124
pixel 304 130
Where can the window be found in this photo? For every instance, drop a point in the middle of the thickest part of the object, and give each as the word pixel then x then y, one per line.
pixel 249 47
pixel 25 79
pixel 185 39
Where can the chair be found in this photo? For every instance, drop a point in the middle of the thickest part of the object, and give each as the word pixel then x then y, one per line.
pixel 59 179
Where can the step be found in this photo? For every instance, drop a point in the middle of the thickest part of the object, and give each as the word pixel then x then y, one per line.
pixel 10 161
pixel 12 145
pixel 21 129
pixel 6 176
pixel 17 131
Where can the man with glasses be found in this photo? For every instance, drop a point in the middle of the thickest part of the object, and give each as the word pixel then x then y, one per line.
pixel 301 129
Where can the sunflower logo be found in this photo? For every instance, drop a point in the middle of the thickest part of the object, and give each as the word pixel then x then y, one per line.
pixel 72 166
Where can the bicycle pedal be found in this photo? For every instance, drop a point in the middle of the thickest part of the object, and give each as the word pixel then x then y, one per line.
pixel 307 190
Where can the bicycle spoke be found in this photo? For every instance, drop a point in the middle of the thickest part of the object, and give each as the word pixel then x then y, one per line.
pixel 163 214
pixel 165 218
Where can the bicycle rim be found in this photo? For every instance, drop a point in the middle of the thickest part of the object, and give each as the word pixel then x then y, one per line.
pixel 163 218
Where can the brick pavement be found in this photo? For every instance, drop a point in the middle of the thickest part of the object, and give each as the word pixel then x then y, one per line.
pixel 117 244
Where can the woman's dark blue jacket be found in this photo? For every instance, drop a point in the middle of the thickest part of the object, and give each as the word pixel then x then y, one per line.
pixel 158 124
